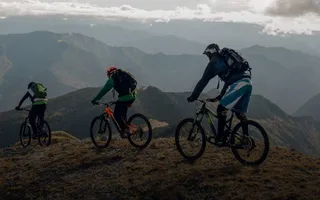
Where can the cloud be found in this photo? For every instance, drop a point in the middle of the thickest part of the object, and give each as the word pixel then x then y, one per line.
pixel 293 8
pixel 267 13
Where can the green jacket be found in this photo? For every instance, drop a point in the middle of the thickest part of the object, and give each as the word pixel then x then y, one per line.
pixel 107 87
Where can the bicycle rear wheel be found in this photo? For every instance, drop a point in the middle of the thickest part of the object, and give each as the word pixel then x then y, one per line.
pixel 25 135
pixel 44 138
pixel 254 140
pixel 100 132
pixel 190 140
pixel 140 129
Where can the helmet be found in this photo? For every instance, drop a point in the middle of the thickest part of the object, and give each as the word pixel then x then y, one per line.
pixel 111 70
pixel 211 49
pixel 30 84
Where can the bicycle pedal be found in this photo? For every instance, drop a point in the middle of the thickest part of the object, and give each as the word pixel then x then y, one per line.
pixel 211 140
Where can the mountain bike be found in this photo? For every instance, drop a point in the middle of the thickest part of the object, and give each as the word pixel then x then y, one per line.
pixel 43 136
pixel 233 139
pixel 135 128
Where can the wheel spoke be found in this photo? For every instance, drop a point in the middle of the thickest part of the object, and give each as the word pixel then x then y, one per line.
pixel 100 132
pixel 44 137
pixel 190 139
pixel 140 131
pixel 252 140
pixel 25 135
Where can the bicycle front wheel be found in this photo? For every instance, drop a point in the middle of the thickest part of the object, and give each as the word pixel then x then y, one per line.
pixel 250 143
pixel 140 131
pixel 25 135
pixel 100 132
pixel 190 139
pixel 44 138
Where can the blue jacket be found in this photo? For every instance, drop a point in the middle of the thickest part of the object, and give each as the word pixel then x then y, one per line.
pixel 215 67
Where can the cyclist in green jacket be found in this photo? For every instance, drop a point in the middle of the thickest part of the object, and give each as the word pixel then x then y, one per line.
pixel 124 84
pixel 38 96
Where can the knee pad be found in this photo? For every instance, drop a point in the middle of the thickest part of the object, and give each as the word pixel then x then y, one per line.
pixel 222 111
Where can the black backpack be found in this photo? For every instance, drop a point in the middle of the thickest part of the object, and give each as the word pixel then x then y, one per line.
pixel 125 83
pixel 234 61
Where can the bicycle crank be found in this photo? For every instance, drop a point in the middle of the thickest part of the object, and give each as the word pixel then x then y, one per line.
pixel 211 140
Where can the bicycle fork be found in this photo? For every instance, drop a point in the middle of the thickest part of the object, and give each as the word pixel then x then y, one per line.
pixel 102 129
pixel 196 121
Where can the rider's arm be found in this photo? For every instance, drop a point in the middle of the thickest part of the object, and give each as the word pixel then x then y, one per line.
pixel 106 88
pixel 224 89
pixel 24 98
pixel 223 92
pixel 209 73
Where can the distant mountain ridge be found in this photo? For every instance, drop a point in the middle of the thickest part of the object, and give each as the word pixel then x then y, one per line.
pixel 42 57
pixel 75 61
pixel 73 113
pixel 168 44
pixel 310 108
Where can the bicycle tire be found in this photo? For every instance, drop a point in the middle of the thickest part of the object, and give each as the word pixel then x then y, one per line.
pixel 108 128
pixel 203 144
pixel 23 127
pixel 138 115
pixel 266 142
pixel 49 135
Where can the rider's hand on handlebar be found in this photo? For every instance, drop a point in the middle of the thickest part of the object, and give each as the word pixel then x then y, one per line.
pixel 94 102
pixel 18 108
pixel 190 99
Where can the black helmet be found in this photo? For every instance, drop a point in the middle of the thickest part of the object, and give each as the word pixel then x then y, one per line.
pixel 211 49
pixel 30 84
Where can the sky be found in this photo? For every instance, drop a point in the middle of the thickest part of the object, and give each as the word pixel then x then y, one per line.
pixel 276 16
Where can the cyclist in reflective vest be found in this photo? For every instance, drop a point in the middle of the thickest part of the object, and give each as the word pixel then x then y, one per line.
pixel 38 96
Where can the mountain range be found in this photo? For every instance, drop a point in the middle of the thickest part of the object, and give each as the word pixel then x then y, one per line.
pixel 75 61
pixel 310 108
pixel 70 56
pixel 73 113
pixel 192 32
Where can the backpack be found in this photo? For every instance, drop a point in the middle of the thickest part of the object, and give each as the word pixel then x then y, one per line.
pixel 39 90
pixel 125 82
pixel 234 61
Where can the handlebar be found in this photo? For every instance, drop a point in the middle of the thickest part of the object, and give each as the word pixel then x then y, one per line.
pixel 207 100
pixel 24 109
pixel 107 103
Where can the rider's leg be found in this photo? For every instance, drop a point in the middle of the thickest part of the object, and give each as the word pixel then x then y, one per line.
pixel 41 112
pixel 242 107
pixel 239 90
pixel 32 119
pixel 120 113
pixel 243 103
pixel 222 117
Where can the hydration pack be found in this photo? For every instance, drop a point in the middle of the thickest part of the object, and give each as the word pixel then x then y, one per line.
pixel 125 82
pixel 39 90
pixel 234 61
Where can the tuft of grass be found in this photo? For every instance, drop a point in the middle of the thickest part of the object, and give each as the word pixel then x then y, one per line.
pixel 60 136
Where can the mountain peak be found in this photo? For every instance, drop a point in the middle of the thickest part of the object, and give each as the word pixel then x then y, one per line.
pixel 311 108
pixel 264 48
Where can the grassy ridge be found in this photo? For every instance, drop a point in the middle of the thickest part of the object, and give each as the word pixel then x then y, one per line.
pixel 73 169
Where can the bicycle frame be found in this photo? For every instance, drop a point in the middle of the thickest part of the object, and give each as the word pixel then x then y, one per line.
pixel 28 122
pixel 205 111
pixel 108 112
